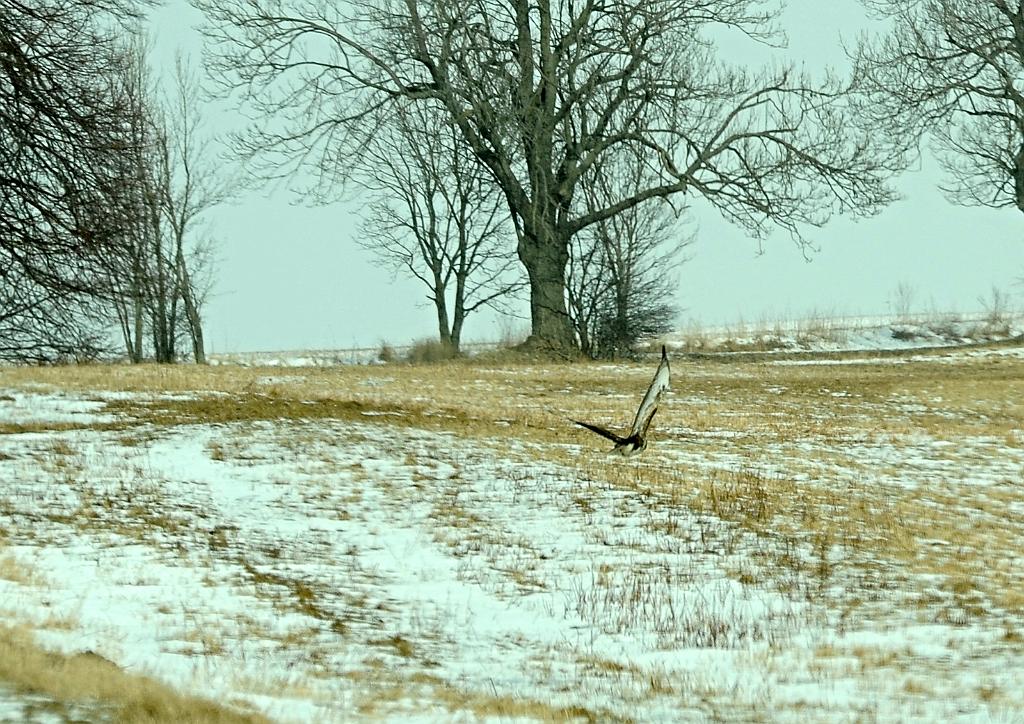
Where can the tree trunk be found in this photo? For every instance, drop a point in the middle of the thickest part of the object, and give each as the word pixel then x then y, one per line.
pixel 1018 178
pixel 458 317
pixel 195 327
pixel 121 309
pixel 139 314
pixel 138 281
pixel 173 320
pixel 459 302
pixel 621 336
pixel 195 324
pixel 161 328
pixel 545 260
pixel 444 334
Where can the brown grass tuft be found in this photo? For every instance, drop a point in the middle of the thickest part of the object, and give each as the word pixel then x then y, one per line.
pixel 90 681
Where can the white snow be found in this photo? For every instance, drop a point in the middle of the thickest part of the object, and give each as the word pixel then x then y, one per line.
pixel 845 334
pixel 20 407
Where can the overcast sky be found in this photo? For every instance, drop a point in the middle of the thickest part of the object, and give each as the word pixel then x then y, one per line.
pixel 292 276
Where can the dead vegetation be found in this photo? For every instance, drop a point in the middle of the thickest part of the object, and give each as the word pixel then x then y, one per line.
pixel 88 687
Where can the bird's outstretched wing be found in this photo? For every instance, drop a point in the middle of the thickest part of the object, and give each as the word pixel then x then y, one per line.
pixel 637 438
pixel 618 440
pixel 647 424
pixel 649 406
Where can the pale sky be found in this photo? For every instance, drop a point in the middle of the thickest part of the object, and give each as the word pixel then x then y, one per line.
pixel 292 276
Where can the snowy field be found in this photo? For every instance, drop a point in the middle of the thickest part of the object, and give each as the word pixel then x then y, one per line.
pixel 827 333
pixel 816 539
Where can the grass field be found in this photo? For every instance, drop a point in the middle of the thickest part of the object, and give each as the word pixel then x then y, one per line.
pixel 831 538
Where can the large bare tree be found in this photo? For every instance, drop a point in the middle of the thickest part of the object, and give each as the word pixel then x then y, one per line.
pixel 953 71
pixel 546 94
pixel 438 217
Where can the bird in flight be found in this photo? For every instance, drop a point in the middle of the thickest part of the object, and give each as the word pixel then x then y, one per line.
pixel 636 440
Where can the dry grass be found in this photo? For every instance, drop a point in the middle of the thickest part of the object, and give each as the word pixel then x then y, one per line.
pixel 10 570
pixel 90 682
pixel 385 702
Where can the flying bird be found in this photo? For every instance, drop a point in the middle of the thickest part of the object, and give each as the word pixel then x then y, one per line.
pixel 636 440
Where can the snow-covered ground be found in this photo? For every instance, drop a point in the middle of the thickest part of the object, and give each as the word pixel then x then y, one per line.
pixel 326 357
pixel 334 569
pixel 859 333
pixel 832 334
pixel 288 576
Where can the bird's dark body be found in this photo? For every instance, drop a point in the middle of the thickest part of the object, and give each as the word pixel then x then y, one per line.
pixel 623 445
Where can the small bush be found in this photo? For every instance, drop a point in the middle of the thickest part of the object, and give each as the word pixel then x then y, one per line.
pixel 429 351
pixel 904 333
pixel 387 353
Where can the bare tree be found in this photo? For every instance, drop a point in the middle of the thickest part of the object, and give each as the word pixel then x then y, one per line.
pixel 191 185
pixel 953 71
pixel 621 279
pixel 544 92
pixel 60 135
pixel 622 282
pixel 588 288
pixel 171 182
pixel 438 217
pixel 136 199
pixel 39 323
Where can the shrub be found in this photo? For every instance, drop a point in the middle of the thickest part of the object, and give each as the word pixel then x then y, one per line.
pixel 387 353
pixel 429 351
